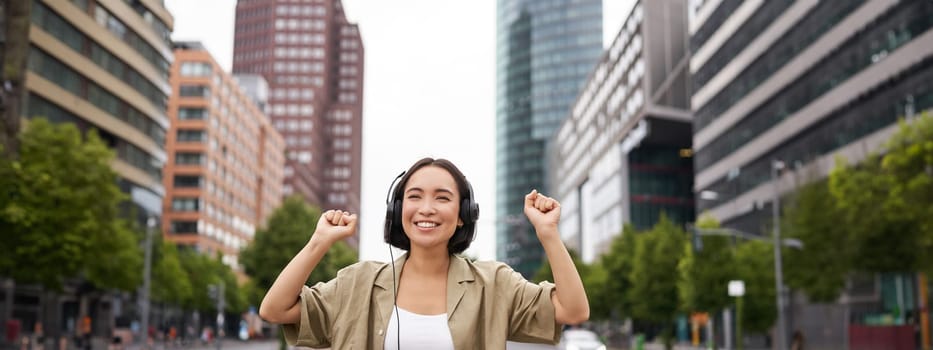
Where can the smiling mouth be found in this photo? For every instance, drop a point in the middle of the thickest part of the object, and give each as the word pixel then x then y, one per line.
pixel 426 224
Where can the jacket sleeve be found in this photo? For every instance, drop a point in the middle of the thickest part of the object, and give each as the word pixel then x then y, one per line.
pixel 532 315
pixel 318 308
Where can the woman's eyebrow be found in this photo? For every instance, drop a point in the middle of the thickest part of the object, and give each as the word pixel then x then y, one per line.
pixel 418 189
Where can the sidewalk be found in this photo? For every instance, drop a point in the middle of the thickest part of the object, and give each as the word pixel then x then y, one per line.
pixel 228 344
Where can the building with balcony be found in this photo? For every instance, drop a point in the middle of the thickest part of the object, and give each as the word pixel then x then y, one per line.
pixel 225 163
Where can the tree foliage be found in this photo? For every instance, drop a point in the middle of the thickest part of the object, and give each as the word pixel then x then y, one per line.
pixel 886 202
pixel 754 263
pixel 657 254
pixel 594 280
pixel 287 231
pixel 170 284
pixel 59 211
pixel 705 272
pixel 812 216
pixel 618 263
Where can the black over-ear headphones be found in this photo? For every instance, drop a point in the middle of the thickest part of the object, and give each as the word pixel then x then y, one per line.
pixel 469 211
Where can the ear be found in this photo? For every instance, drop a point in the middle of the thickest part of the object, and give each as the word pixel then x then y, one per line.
pixel 459 222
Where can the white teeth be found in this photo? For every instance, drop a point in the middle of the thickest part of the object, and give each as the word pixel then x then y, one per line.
pixel 426 224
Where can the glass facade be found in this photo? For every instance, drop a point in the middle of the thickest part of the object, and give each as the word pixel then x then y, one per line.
pixel 545 50
pixel 661 182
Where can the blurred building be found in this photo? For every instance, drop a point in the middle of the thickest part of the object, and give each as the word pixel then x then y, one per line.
pixel 544 51
pixel 312 58
pixel 623 155
pixel 105 66
pixel 100 65
pixel 225 160
pixel 800 82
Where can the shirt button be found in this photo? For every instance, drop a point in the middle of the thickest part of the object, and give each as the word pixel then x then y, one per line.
pixel 379 332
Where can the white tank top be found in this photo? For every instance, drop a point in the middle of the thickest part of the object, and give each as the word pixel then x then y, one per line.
pixel 418 331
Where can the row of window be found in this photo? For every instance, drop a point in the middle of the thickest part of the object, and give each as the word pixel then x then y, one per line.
pixel 751 29
pixel 299 52
pixel 860 51
pixel 298 67
pixel 301 10
pixel 56 26
pixel 820 20
pixel 54 70
pixel 293 125
pixel 300 24
pixel 305 110
pixel 125 151
pixel 912 91
pixel 299 38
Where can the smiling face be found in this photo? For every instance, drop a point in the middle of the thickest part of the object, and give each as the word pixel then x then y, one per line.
pixel 430 208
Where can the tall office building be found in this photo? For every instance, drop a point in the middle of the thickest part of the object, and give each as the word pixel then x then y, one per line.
pixel 623 155
pixel 225 160
pixel 104 65
pixel 312 58
pixel 544 51
pixel 800 82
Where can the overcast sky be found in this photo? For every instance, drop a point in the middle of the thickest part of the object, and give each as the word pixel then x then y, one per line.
pixel 429 91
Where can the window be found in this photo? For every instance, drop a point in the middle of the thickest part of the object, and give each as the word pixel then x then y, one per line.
pixel 189 158
pixel 185 135
pixel 194 91
pixel 196 69
pixel 187 181
pixel 184 226
pixel 191 113
pixel 186 204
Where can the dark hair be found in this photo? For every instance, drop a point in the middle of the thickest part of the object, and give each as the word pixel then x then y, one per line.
pixel 463 235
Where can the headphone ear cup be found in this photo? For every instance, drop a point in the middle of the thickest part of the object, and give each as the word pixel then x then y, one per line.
pixel 397 214
pixel 387 230
pixel 393 219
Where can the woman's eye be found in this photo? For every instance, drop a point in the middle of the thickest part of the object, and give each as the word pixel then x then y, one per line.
pixel 414 196
pixel 445 199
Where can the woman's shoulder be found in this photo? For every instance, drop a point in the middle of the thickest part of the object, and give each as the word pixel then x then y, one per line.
pixel 362 267
pixel 489 270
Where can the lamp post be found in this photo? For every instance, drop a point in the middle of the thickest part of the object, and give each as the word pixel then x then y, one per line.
pixel 781 332
pixel 737 290
pixel 147 275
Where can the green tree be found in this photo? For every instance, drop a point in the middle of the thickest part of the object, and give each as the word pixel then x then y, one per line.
pixel 594 283
pixel 287 231
pixel 813 217
pixel 59 211
pixel 170 284
pixel 885 202
pixel 654 293
pixel 704 273
pixel 617 264
pixel 754 261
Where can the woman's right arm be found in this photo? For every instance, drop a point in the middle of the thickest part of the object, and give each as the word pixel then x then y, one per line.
pixel 281 303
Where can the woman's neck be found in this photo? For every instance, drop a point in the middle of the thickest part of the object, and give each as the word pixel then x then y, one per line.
pixel 428 262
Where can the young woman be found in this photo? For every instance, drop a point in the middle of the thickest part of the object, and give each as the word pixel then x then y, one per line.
pixel 429 298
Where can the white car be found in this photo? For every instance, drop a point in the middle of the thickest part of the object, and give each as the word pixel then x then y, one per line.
pixel 580 339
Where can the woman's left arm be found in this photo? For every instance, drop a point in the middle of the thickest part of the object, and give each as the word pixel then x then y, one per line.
pixel 569 298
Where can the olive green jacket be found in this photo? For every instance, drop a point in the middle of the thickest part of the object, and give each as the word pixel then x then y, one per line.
pixel 487 304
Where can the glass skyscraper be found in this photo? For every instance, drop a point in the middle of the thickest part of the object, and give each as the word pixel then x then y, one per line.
pixel 544 52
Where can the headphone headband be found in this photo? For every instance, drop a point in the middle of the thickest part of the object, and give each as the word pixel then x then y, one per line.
pixel 394 234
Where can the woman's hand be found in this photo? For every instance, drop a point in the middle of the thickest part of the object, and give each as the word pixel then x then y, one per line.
pixel 543 212
pixel 334 225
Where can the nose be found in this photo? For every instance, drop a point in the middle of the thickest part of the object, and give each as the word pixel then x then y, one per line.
pixel 426 207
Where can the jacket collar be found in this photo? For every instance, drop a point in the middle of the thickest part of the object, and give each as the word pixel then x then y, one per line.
pixel 458 274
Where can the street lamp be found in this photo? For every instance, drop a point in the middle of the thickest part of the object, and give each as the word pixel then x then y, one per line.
pixel 147 272
pixel 781 332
